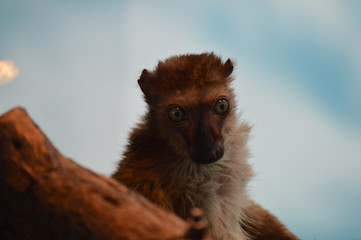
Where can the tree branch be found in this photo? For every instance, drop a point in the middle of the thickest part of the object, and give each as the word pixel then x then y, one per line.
pixel 44 195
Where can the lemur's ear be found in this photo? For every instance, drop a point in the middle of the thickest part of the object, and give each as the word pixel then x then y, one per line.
pixel 144 82
pixel 228 67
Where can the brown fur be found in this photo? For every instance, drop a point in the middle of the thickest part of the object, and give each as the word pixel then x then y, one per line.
pixel 159 159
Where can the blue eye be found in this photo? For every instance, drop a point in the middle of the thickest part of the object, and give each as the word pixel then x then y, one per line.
pixel 176 114
pixel 221 107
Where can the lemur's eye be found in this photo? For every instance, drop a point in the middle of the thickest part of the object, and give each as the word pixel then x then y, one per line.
pixel 176 114
pixel 222 106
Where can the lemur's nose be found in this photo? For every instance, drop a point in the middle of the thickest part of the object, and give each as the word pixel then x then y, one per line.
pixel 210 156
pixel 213 155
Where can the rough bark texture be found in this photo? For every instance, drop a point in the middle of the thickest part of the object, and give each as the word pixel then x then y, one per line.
pixel 44 195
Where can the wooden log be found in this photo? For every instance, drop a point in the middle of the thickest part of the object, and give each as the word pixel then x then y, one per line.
pixel 44 195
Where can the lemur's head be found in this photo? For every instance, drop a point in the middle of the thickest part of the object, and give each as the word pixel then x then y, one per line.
pixel 190 100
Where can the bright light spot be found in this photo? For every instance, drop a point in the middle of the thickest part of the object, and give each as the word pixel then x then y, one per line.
pixel 8 71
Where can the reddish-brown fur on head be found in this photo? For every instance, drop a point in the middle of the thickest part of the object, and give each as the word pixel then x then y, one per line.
pixel 190 87
pixel 183 72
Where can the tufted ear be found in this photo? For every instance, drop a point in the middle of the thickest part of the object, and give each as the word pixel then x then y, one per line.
pixel 144 82
pixel 228 67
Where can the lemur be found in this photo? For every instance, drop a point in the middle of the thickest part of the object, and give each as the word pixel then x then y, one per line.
pixel 190 149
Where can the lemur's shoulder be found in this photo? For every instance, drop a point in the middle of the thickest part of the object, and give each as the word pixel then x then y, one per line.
pixel 262 225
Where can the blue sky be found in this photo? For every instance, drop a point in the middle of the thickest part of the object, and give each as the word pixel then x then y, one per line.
pixel 298 83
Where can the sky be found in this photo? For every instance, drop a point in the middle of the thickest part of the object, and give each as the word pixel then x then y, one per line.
pixel 297 78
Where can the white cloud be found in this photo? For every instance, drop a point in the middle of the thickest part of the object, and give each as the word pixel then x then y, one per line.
pixel 153 34
pixel 333 22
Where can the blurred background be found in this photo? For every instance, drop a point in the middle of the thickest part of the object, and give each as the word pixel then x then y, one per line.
pixel 74 64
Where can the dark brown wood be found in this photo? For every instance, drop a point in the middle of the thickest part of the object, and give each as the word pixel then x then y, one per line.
pixel 44 195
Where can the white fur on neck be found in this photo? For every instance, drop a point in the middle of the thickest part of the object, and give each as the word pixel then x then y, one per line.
pixel 220 189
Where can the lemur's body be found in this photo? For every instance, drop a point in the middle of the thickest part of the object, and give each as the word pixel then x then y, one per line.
pixel 190 150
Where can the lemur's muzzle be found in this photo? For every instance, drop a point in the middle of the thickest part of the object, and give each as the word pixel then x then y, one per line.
pixel 207 155
pixel 204 148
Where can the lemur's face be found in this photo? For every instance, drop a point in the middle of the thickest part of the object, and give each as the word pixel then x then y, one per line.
pixel 196 118
pixel 189 101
